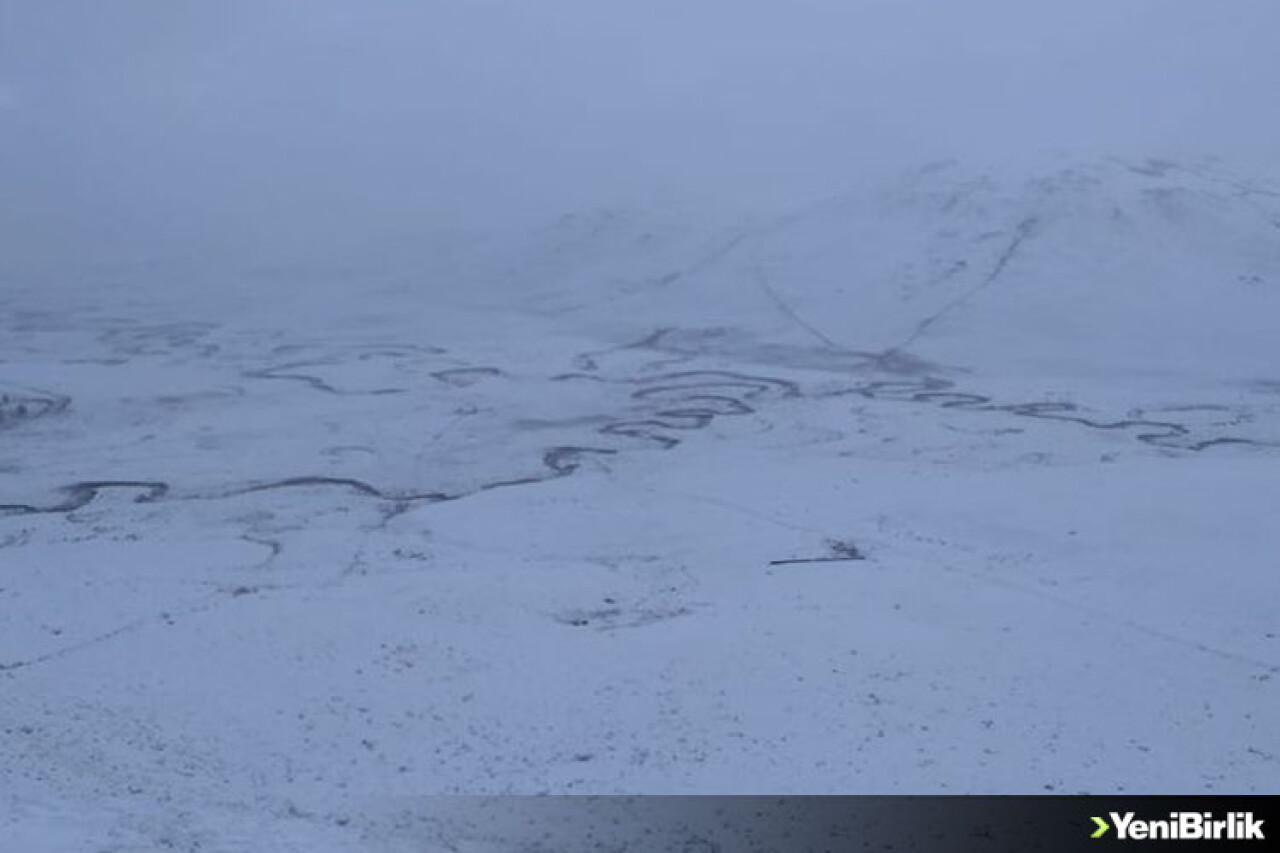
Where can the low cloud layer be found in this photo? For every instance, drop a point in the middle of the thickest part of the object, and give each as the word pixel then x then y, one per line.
pixel 284 129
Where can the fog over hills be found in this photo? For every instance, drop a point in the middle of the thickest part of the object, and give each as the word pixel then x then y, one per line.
pixel 281 130
pixel 493 397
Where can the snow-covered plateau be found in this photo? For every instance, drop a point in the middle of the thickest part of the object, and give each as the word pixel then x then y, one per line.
pixel 962 485
pixel 728 397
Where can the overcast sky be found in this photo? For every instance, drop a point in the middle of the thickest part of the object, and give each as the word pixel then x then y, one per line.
pixel 245 129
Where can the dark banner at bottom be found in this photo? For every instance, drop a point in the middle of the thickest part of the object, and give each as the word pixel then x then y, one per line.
pixel 795 824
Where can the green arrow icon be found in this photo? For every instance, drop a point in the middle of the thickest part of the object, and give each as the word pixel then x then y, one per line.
pixel 1103 826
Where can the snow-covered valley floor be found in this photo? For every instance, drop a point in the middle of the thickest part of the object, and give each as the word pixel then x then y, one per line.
pixel 958 484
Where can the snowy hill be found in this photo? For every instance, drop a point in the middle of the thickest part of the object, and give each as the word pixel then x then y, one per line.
pixel 546 398
pixel 939 486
